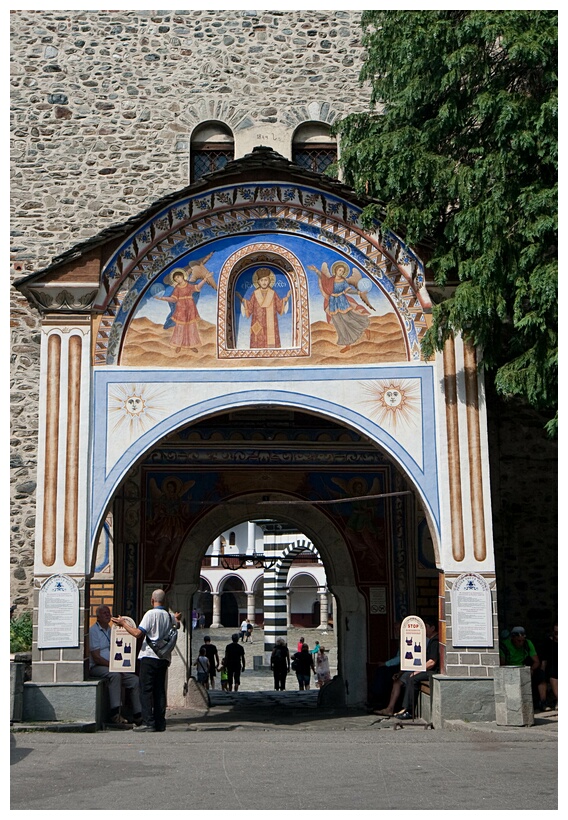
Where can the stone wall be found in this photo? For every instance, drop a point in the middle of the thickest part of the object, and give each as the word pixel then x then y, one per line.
pixel 103 107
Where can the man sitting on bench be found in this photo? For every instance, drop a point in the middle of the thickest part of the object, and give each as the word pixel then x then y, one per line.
pixel 415 679
pixel 412 680
pixel 99 662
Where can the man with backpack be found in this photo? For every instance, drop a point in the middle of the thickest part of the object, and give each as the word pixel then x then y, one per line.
pixel 153 627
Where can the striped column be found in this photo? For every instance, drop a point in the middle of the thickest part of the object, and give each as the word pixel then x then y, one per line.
pixel 274 603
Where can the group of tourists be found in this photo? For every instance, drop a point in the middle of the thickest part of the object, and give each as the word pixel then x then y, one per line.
pixel 304 663
pixel 230 667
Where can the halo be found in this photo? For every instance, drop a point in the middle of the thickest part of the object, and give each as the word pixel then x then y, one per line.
pixel 340 263
pixel 263 272
pixel 169 279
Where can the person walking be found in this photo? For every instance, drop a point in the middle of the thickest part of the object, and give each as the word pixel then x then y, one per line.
pixel 280 664
pixel 212 657
pixel 154 625
pixel 304 666
pixel 244 625
pixel 202 668
pixel 235 660
pixel 323 672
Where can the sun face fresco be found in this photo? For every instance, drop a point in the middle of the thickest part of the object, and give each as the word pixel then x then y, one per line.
pixel 394 404
pixel 134 409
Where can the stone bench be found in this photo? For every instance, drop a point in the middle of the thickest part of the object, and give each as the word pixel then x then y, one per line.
pixel 80 701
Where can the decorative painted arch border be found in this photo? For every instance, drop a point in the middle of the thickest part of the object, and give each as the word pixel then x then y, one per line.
pixel 195 221
pixel 424 479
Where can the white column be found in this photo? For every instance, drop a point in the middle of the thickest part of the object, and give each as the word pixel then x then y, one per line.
pixel 251 544
pixel 323 610
pixel 216 552
pixel 216 611
pixel 288 609
pixel 334 613
pixel 250 607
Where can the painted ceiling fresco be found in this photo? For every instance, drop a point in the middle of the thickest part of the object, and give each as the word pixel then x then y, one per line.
pixel 283 300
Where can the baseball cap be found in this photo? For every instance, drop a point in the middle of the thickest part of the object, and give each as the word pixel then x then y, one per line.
pixel 518 630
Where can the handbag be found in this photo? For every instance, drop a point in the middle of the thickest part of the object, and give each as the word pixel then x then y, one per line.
pixel 164 645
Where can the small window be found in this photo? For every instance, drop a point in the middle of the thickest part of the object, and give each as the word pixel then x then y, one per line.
pixel 313 148
pixel 212 147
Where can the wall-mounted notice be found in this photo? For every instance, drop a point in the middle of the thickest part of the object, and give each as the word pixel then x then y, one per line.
pixel 58 625
pixel 122 648
pixel 471 611
pixel 378 601
pixel 413 644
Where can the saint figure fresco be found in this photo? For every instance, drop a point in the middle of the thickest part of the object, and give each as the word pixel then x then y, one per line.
pixel 263 309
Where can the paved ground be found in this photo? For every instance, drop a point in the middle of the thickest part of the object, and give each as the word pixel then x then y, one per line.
pixel 260 750
pixel 289 758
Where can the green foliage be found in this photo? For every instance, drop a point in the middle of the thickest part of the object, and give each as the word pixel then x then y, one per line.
pixel 21 633
pixel 460 147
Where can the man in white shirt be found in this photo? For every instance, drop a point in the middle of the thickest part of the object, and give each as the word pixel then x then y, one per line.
pixel 155 624
pixel 99 661
pixel 243 630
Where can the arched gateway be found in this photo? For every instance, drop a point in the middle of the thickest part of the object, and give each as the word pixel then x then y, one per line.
pixel 245 349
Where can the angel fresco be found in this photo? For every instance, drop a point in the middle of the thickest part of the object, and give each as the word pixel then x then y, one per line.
pixel 168 518
pixel 263 308
pixel 350 319
pixel 368 540
pixel 185 283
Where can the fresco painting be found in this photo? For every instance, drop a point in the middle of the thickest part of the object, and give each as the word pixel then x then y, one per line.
pixel 176 497
pixel 175 320
pixel 264 294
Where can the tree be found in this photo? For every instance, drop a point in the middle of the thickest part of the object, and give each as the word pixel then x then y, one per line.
pixel 459 153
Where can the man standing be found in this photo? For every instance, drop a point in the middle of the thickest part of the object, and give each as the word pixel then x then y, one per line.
pixel 234 659
pixel 154 625
pixel 99 662
pixel 243 630
pixel 213 658
pixel 263 307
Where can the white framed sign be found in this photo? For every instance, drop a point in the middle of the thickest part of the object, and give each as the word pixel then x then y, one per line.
pixel 122 648
pixel 413 644
pixel 58 624
pixel 472 622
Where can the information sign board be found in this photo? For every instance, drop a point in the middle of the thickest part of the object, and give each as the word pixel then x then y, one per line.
pixel 58 615
pixel 122 648
pixel 413 645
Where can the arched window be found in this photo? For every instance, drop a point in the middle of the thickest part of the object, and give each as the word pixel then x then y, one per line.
pixel 313 147
pixel 212 147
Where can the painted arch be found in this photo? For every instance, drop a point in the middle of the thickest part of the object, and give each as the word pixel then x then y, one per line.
pixel 302 235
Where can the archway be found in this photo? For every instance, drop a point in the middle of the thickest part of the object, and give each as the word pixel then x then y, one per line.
pixel 233 601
